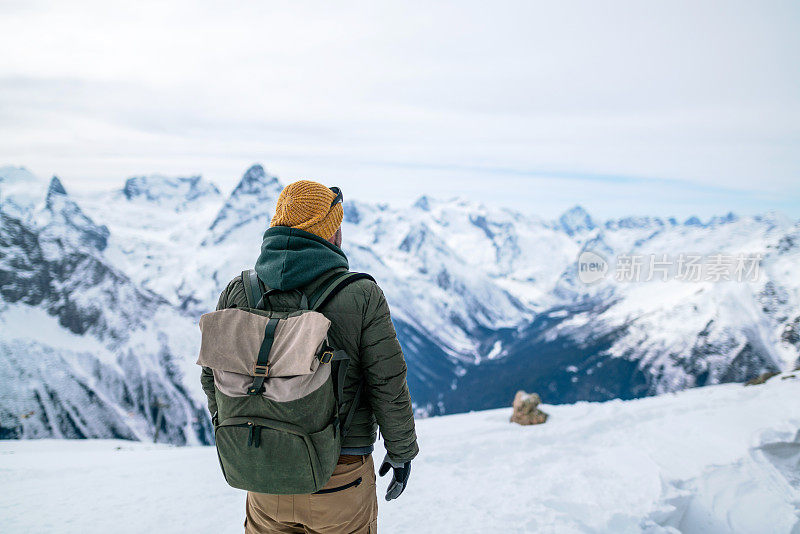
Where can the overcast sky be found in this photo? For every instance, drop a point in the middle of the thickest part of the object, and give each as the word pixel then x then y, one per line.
pixel 623 107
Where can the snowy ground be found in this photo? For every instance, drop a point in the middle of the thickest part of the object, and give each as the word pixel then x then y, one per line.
pixel 716 459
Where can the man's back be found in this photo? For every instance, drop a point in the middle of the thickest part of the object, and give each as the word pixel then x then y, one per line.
pixel 300 253
pixel 360 325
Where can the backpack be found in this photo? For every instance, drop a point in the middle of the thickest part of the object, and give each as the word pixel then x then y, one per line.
pixel 278 396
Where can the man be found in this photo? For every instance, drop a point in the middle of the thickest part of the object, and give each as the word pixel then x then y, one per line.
pixel 300 250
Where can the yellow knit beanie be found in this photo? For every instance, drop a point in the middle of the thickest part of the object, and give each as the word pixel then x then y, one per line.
pixel 307 205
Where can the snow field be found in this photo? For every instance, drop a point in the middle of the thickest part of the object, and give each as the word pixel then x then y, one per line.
pixel 713 460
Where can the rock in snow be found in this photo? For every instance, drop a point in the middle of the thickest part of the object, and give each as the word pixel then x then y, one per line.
pixel 526 409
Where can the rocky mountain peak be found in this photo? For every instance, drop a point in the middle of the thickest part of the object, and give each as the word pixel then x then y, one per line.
pixel 175 192
pixel 55 188
pixel 20 191
pixel 725 219
pixel 423 203
pixel 351 213
pixel 253 198
pixel 64 221
pixel 256 181
pixel 694 220
pixel 576 220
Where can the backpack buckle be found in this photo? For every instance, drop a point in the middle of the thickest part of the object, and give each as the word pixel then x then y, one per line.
pixel 326 356
pixel 260 370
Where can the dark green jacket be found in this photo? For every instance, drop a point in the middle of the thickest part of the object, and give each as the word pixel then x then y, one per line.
pixel 360 324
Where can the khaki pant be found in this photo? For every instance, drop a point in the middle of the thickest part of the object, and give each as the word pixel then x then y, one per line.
pixel 350 511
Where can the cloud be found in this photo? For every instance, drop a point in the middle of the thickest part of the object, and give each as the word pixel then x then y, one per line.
pixel 684 97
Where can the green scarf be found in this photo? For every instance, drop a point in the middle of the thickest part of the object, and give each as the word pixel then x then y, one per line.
pixel 292 258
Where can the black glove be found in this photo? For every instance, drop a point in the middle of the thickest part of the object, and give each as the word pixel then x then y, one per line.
pixel 399 478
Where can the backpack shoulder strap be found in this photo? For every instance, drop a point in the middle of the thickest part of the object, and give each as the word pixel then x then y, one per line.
pixel 322 296
pixel 343 360
pixel 333 285
pixel 250 282
pixel 352 411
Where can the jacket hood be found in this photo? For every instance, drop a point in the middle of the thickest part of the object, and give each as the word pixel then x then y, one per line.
pixel 292 258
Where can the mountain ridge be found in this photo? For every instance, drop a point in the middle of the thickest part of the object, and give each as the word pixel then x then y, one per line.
pixel 485 300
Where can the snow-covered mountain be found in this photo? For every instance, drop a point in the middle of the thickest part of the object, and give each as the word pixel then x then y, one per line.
pixel 151 219
pixel 85 351
pixel 485 300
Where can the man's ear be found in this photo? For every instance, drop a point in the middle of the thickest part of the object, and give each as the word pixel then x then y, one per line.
pixel 336 239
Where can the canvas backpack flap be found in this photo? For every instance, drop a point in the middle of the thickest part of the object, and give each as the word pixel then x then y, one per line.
pixel 298 341
pixel 231 339
pixel 279 389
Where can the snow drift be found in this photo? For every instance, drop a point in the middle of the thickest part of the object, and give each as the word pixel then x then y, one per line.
pixel 711 460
